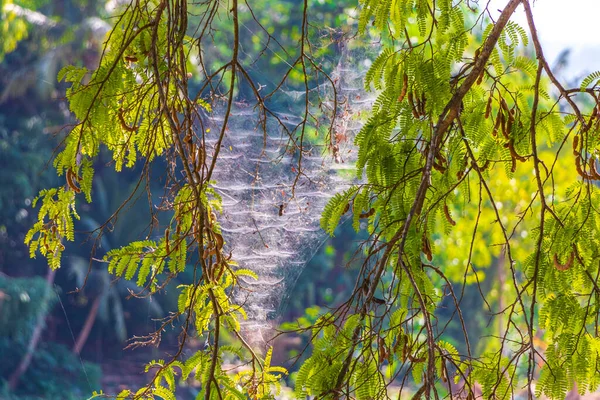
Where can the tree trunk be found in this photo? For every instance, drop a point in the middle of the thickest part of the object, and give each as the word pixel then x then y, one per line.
pixel 87 326
pixel 13 380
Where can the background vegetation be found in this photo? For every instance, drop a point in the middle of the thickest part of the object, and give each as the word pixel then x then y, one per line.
pixel 80 335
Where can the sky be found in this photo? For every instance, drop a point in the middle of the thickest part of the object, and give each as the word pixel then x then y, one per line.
pixel 563 24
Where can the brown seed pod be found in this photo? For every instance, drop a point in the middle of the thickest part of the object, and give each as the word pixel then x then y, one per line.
pixel 367 214
pixel 503 125
pixel 346 208
pixel 593 171
pixel 426 248
pixel 504 105
pixel 123 123
pixel 168 250
pixel 440 163
pixel 563 267
pixel 422 104
pixel 438 167
pixel 72 180
pixel 488 107
pixel 485 165
pixel 200 158
pixel 404 88
pixel 412 105
pixel 497 124
pixel 444 377
pixel 509 124
pixel 480 78
pixel 513 152
pixel 441 158
pixel 591 120
pixel 579 169
pixel 576 145
pixel 448 216
pixel 209 251
pixel 218 240
pixel 222 267
pixel 513 167
pixel 383 351
pixel 192 152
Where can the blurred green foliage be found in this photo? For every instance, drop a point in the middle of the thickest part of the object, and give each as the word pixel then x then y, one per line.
pixel 20 300
pixel 32 114
pixel 55 372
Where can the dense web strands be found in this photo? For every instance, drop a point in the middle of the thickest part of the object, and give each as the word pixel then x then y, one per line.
pixel 273 196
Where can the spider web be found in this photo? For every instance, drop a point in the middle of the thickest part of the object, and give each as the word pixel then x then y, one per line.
pixel 273 197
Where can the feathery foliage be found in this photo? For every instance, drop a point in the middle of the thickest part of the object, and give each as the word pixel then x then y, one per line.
pixel 465 162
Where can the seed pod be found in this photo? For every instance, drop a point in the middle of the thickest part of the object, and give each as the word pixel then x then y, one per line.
pixel 591 120
pixel 200 158
pixel 576 145
pixel 504 105
pixel 346 208
pixel 513 167
pixel 404 88
pixel 441 158
pixel 438 167
pixel 221 270
pixel 497 124
pixel 174 116
pixel 192 152
pixel 513 152
pixel 488 107
pixel 218 240
pixel 426 248
pixel 503 124
pixel 580 170
pixel 367 214
pixel 71 179
pixel 509 124
pixel 123 123
pixel 412 105
pixel 444 378
pixel 565 266
pixel 167 249
pixel 593 171
pixel 383 351
pixel 480 78
pixel 448 216
pixel 209 251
